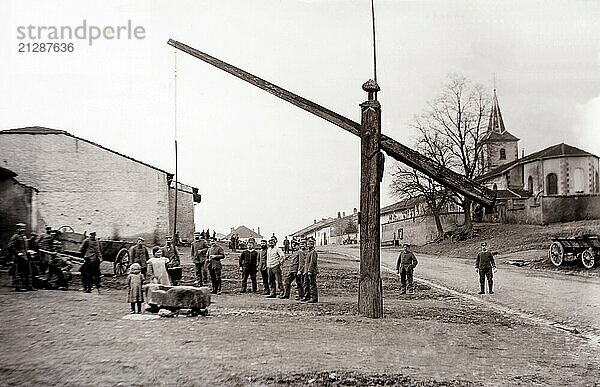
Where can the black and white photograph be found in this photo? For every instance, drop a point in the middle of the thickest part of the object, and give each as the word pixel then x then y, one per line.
pixel 300 193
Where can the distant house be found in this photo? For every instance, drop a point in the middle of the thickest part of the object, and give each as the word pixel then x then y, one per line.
pixel 18 203
pixel 244 233
pixel 89 187
pixel 332 230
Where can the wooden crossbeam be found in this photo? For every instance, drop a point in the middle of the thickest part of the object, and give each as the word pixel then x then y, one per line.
pixel 393 148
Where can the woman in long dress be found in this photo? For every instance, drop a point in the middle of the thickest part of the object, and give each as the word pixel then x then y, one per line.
pixel 157 268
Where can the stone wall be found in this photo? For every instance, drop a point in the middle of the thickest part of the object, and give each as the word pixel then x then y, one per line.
pixel 87 187
pixel 418 230
pixel 570 208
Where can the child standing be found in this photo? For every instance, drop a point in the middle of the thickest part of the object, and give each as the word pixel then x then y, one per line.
pixel 135 279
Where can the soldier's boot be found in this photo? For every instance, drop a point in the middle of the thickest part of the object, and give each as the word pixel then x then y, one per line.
pixel 403 290
pixel 491 286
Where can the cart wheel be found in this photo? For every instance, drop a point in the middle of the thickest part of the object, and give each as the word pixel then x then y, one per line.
pixel 588 259
pixel 556 253
pixel 63 229
pixel 121 262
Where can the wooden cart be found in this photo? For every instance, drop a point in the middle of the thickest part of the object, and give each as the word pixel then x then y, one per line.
pixel 585 248
pixel 116 252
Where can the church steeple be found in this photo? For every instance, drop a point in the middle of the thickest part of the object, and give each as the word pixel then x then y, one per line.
pixel 496 123
pixel 498 145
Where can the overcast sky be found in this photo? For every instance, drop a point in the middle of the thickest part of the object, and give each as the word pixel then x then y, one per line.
pixel 257 160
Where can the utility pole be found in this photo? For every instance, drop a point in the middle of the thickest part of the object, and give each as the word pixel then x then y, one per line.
pixel 370 290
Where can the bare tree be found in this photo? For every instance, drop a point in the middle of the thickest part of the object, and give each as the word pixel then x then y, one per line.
pixel 450 131
pixel 409 183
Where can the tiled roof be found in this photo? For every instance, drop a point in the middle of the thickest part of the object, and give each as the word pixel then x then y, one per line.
pixel 512 193
pixel 6 173
pixel 315 226
pixel 401 205
pixel 496 132
pixel 558 150
pixel 244 232
pixel 499 137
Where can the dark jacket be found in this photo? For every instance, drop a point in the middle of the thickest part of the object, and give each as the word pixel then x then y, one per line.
pixel 406 260
pixel 262 255
pixel 170 251
pixel 485 260
pixel 310 265
pixel 297 261
pixel 199 249
pixel 249 259
pixel 90 250
pixel 138 254
pixel 215 261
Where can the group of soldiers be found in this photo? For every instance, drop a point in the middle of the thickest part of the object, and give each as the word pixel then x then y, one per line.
pixel 269 260
pixel 35 262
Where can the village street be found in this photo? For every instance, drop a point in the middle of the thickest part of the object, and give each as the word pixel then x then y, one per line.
pixel 570 301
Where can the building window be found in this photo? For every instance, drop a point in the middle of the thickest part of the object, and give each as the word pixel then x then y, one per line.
pixel 502 154
pixel 530 184
pixel 551 184
pixel 579 180
pixel 597 183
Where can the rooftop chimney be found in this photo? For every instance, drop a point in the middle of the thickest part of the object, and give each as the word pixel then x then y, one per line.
pixel 339 216
pixel 355 211
pixel 315 221
pixel 344 214
pixel 258 231
pixel 232 229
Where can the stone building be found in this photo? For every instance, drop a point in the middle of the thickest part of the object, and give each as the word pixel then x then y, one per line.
pixel 244 233
pixel 89 187
pixel 332 230
pixel 18 203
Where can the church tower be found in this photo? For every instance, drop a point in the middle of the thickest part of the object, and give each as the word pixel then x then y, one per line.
pixel 498 145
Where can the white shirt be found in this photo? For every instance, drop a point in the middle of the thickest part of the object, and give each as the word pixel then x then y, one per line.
pixel 274 256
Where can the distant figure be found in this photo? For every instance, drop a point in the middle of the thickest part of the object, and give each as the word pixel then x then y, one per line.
pixel 135 295
pixel 310 273
pixel 199 249
pixel 248 266
pixel 215 255
pixel 17 248
pixel 262 266
pixel 295 271
pixel 45 244
pixel 405 266
pixel 170 252
pixel 92 256
pixel 157 268
pixel 139 254
pixel 275 258
pixel 214 235
pixel 485 265
pixel 286 245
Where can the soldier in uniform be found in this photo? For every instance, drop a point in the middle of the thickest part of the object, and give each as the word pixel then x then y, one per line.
pixel 286 245
pixel 92 256
pixel 485 265
pixel 170 251
pixel 215 254
pixel 275 257
pixel 405 266
pixel 248 265
pixel 139 254
pixel 262 263
pixel 59 269
pixel 310 273
pixel 45 244
pixel 17 247
pixel 295 270
pixel 199 249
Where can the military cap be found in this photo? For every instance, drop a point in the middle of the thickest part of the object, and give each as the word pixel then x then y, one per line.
pixel 21 225
pixel 140 239
pixel 484 243
pixel 92 232
pixel 251 240
pixel 48 228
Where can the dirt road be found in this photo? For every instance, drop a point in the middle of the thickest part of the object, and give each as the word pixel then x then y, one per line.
pixel 573 301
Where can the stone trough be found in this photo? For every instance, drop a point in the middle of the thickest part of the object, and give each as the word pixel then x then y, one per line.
pixel 174 298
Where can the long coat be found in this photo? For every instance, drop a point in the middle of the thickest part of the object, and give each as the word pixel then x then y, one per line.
pixel 134 284
pixel 157 267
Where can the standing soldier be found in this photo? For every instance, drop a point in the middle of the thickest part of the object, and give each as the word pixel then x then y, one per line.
pixel 262 263
pixel 17 247
pixel 274 259
pixel 485 265
pixel 286 245
pixel 295 271
pixel 170 252
pixel 215 254
pixel 310 274
pixel 92 256
pixel 139 254
pixel 46 245
pixel 405 266
pixel 199 249
pixel 248 262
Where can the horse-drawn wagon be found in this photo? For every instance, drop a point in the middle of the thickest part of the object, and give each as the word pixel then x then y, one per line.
pixel 116 252
pixel 585 248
